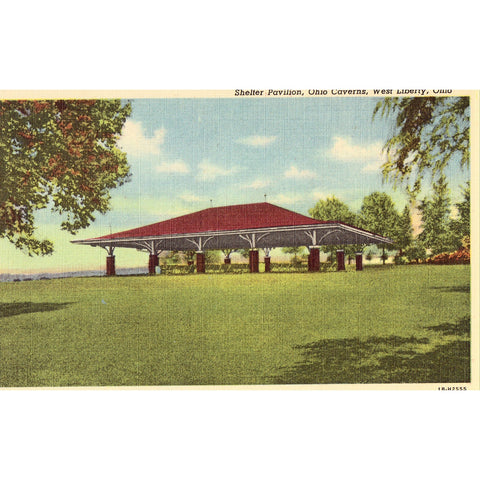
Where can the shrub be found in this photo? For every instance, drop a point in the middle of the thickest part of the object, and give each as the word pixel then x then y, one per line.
pixel 416 252
pixel 460 257
pixel 228 268
pixel 288 267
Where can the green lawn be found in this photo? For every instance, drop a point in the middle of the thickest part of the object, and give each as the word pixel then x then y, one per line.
pixel 394 324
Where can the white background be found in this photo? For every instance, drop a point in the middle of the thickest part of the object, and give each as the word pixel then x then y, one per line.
pixel 238 434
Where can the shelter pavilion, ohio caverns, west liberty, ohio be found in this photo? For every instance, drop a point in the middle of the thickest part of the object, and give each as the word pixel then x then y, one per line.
pixel 251 226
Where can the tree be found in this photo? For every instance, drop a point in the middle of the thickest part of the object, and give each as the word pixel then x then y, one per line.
pixel 334 209
pixel 190 256
pixel 429 132
pixel 59 154
pixel 436 234
pixel 212 257
pixel 227 252
pixel 172 258
pixel 403 230
pixel 244 252
pixel 378 215
pixel 461 225
pixel 295 251
pixel 416 251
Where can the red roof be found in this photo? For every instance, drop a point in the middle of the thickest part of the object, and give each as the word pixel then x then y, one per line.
pixel 235 217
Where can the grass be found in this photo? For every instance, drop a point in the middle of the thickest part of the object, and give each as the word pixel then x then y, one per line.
pixel 400 324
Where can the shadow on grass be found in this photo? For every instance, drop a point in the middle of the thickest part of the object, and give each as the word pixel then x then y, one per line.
pixel 19 308
pixel 390 359
pixel 462 327
pixel 454 289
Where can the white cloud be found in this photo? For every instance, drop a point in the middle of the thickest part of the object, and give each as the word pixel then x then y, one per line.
pixel 190 197
pixel 282 198
pixel 177 166
pixel 148 150
pixel 257 184
pixel 370 155
pixel 209 171
pixel 286 199
pixel 257 140
pixel 344 149
pixel 294 172
pixel 319 195
pixel 374 167
pixel 135 142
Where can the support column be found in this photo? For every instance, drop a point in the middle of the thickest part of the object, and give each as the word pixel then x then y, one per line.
pixel 340 260
pixel 314 259
pixel 266 259
pixel 200 262
pixel 359 261
pixel 152 263
pixel 253 260
pixel 110 265
pixel 267 264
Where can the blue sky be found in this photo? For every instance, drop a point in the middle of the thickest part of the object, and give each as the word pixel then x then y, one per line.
pixel 186 154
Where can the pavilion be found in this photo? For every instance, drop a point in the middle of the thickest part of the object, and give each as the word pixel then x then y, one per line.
pixel 253 226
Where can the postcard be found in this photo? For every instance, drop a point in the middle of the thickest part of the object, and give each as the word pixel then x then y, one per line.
pixel 240 239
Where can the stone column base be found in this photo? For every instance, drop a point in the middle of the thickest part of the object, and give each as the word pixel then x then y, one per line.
pixel 111 265
pixel 340 260
pixel 253 260
pixel 200 262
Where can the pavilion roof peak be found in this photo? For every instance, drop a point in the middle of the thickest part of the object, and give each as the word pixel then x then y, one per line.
pixel 221 218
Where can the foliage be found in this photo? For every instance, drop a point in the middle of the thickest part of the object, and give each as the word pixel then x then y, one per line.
pixel 236 268
pixel 209 269
pixel 299 267
pixel 416 251
pixel 400 260
pixel 190 256
pixel 212 257
pixel 227 252
pixel 244 252
pixel 403 231
pixel 378 215
pixel 461 225
pixel 460 257
pixel 59 154
pixel 437 235
pixel 172 257
pixel 296 252
pixel 384 257
pixel 334 209
pixel 429 133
